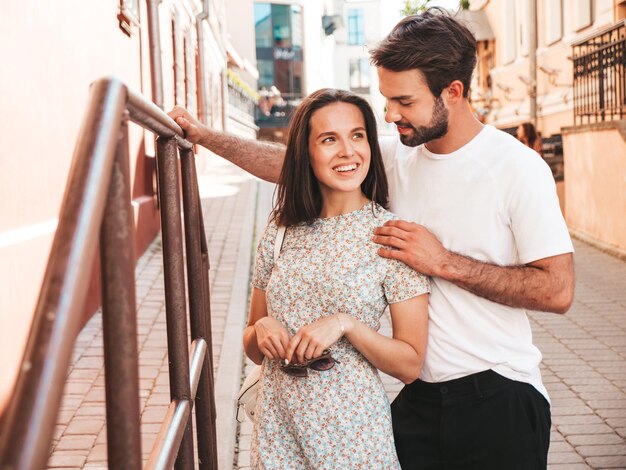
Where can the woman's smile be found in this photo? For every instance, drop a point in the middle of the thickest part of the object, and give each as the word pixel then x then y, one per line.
pixel 347 169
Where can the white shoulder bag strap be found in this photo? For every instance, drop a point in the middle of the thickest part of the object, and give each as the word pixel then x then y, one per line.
pixel 278 243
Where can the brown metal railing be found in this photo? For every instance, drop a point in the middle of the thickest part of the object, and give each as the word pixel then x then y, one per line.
pixel 96 206
pixel 600 76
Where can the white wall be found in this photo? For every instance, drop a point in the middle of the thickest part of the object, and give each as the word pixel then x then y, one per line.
pixel 379 17
pixel 240 33
pixel 318 48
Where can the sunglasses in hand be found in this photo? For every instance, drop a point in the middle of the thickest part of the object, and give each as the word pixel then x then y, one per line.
pixel 321 363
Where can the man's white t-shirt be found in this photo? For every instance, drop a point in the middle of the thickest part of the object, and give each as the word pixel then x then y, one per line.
pixel 493 200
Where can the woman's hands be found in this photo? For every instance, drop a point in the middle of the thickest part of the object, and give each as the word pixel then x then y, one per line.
pixel 266 337
pixel 272 337
pixel 311 340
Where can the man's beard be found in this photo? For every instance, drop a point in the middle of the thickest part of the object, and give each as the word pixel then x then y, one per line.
pixel 436 128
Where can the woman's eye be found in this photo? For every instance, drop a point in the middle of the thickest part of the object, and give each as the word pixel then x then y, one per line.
pixel 328 139
pixel 358 135
pixel 405 103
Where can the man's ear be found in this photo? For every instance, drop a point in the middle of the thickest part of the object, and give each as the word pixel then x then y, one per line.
pixel 454 91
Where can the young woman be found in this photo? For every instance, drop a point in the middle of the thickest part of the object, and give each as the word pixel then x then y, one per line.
pixel 315 311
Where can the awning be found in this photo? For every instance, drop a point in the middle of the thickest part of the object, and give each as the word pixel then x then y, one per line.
pixel 233 56
pixel 477 22
pixel 241 62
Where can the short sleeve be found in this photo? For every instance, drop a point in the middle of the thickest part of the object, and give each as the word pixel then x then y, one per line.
pixel 534 212
pixel 403 283
pixel 264 262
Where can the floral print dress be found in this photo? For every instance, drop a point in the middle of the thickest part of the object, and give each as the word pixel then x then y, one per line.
pixel 340 418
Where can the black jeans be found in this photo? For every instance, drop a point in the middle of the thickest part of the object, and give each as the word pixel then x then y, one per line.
pixel 483 421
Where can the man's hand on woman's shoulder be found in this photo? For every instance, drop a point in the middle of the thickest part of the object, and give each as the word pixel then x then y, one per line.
pixel 413 244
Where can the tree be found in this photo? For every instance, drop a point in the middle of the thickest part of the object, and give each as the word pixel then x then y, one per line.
pixel 414 7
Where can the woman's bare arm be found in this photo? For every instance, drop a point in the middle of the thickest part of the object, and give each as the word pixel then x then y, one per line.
pixel 401 356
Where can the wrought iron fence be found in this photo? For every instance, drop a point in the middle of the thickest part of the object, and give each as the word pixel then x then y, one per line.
pixel 599 76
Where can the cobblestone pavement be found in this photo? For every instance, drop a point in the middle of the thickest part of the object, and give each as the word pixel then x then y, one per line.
pixel 229 203
pixel 584 365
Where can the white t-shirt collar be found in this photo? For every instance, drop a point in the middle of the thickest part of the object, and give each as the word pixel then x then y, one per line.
pixel 476 140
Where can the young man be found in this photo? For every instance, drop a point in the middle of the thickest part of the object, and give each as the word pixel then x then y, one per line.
pixel 485 223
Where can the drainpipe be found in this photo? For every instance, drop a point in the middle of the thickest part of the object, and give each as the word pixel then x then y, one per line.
pixel 224 38
pixel 200 19
pixel 532 59
pixel 156 67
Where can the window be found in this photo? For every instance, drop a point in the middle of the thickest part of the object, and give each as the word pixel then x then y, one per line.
pixel 554 21
pixel 266 73
pixel 263 24
pixel 190 72
pixel 178 53
pixel 360 75
pixel 129 15
pixel 509 40
pixel 355 27
pixel 279 37
pixel 296 26
pixel 620 10
pixel 581 16
pixel 281 15
pixel 523 24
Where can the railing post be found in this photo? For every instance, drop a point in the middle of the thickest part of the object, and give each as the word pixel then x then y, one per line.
pixel 119 316
pixel 205 397
pixel 601 68
pixel 206 266
pixel 28 423
pixel 174 276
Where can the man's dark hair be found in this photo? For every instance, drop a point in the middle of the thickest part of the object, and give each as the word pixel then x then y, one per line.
pixel 298 194
pixel 434 42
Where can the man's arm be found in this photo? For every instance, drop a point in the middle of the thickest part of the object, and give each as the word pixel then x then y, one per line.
pixel 546 284
pixel 262 159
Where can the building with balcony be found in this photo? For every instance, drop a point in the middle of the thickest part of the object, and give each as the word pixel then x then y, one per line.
pixel 561 66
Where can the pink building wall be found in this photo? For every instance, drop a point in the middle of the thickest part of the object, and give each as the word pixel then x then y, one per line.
pixel 595 189
pixel 51 52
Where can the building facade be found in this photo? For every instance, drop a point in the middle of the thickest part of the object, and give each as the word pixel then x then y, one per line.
pixel 516 73
pixel 173 51
pixel 294 50
pixel 559 64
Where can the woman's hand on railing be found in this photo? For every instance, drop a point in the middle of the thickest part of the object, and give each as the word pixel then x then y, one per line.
pixel 193 128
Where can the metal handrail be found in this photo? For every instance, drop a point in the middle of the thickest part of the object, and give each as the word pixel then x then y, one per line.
pixel 96 207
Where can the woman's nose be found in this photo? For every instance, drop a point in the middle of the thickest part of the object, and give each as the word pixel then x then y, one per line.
pixel 346 150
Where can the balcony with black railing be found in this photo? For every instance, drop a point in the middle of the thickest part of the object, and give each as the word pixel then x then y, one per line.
pixel 600 76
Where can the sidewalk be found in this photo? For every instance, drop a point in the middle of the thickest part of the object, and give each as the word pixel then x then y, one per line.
pixel 584 351
pixel 229 206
